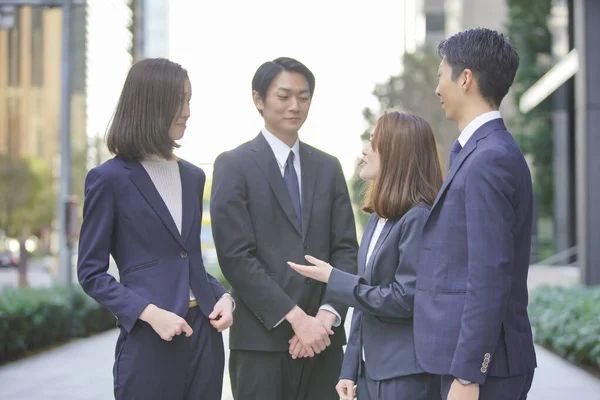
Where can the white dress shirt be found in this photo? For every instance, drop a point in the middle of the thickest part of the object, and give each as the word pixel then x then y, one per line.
pixel 281 152
pixel 372 243
pixel 470 129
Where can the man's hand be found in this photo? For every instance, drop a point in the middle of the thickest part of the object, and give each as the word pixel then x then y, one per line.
pixel 296 348
pixel 311 332
pixel 346 389
pixel 458 391
pixel 221 317
pixel 165 323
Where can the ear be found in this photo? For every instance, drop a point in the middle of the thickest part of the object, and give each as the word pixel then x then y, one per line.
pixel 466 79
pixel 258 102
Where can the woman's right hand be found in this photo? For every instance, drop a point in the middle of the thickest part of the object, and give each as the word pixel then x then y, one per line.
pixel 165 323
pixel 346 389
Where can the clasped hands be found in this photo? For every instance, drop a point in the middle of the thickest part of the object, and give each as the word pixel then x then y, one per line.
pixel 311 333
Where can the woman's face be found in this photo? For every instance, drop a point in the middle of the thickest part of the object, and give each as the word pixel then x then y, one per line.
pixel 369 167
pixel 179 123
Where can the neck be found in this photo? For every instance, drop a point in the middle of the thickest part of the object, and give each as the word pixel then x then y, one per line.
pixel 287 138
pixel 473 112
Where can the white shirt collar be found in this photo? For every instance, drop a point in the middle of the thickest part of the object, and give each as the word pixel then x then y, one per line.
pixel 280 149
pixel 472 127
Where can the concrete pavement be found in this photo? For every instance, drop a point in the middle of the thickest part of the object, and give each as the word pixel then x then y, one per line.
pixel 82 369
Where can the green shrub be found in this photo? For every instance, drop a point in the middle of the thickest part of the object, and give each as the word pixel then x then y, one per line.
pixel 32 319
pixel 567 320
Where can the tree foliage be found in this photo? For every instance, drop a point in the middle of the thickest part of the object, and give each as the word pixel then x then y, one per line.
pixel 26 198
pixel 411 90
pixel 528 31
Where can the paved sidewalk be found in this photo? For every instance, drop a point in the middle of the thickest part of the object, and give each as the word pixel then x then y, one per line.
pixel 82 369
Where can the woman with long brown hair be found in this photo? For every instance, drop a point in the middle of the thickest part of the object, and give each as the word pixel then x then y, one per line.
pixel 401 162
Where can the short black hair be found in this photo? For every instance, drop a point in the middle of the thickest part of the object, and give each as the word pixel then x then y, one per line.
pixel 151 98
pixel 488 54
pixel 268 71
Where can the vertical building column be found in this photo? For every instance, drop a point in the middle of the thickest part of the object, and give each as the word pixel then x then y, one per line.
pixel 563 128
pixel 587 122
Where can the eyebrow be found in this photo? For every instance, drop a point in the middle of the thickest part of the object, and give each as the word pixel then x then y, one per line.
pixel 303 91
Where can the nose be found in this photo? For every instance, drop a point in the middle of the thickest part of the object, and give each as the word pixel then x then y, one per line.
pixel 437 90
pixel 185 111
pixel 366 147
pixel 294 104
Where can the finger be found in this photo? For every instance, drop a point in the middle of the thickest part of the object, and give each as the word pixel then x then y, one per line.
pixel 316 348
pixel 341 391
pixel 215 312
pixel 293 341
pixel 187 329
pixel 303 353
pixel 327 341
pixel 313 260
pixel 297 350
pixel 301 269
pixel 329 330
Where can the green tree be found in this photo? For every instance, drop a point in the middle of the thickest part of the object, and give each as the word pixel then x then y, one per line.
pixel 411 90
pixel 528 30
pixel 26 197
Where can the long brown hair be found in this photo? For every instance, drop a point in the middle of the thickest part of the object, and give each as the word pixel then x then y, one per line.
pixel 151 98
pixel 409 165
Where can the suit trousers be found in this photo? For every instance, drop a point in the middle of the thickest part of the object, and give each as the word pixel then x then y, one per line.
pixel 410 387
pixel 149 368
pixel 264 375
pixel 509 388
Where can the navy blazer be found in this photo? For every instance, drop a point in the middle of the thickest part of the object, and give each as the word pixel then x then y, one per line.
pixel 124 216
pixel 382 295
pixel 471 303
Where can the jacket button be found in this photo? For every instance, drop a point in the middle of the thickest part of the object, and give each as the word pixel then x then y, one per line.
pixel 183 254
pixel 307 280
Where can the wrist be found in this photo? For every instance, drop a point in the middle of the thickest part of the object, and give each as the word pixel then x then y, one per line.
pixel 295 315
pixel 464 382
pixel 148 312
pixel 230 298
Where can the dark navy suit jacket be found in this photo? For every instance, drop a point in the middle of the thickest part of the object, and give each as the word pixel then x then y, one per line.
pixel 382 295
pixel 124 216
pixel 471 303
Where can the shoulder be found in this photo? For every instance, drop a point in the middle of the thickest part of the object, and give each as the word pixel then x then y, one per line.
pixel 108 170
pixel 233 156
pixel 415 217
pixel 194 169
pixel 324 158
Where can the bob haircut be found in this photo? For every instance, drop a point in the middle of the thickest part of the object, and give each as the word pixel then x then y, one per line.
pixel 151 99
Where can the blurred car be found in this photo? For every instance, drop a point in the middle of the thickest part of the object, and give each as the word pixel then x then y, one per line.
pixel 9 251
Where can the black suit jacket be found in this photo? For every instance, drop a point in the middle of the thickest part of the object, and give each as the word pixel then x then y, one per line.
pixel 256 232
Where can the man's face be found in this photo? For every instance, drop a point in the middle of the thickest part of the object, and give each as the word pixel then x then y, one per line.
pixel 450 92
pixel 286 104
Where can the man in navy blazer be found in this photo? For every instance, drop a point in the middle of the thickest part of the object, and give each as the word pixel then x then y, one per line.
pixel 471 323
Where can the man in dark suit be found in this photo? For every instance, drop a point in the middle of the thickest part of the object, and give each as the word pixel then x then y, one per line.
pixel 275 199
pixel 471 322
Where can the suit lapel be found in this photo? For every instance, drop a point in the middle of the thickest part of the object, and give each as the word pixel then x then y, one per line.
pixel 471 145
pixel 364 244
pixel 190 199
pixel 309 167
pixel 384 233
pixel 265 159
pixel 142 181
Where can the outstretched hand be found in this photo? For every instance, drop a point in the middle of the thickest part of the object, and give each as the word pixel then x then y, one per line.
pixel 319 271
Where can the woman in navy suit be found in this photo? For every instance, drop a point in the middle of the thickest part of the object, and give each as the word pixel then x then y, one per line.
pixel 144 207
pixel 401 161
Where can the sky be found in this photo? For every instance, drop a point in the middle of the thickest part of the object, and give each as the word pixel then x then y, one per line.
pixel 349 46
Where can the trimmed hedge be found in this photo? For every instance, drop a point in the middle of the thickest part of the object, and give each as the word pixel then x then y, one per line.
pixel 32 319
pixel 567 320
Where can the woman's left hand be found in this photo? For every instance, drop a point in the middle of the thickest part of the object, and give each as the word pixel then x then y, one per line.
pixel 319 271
